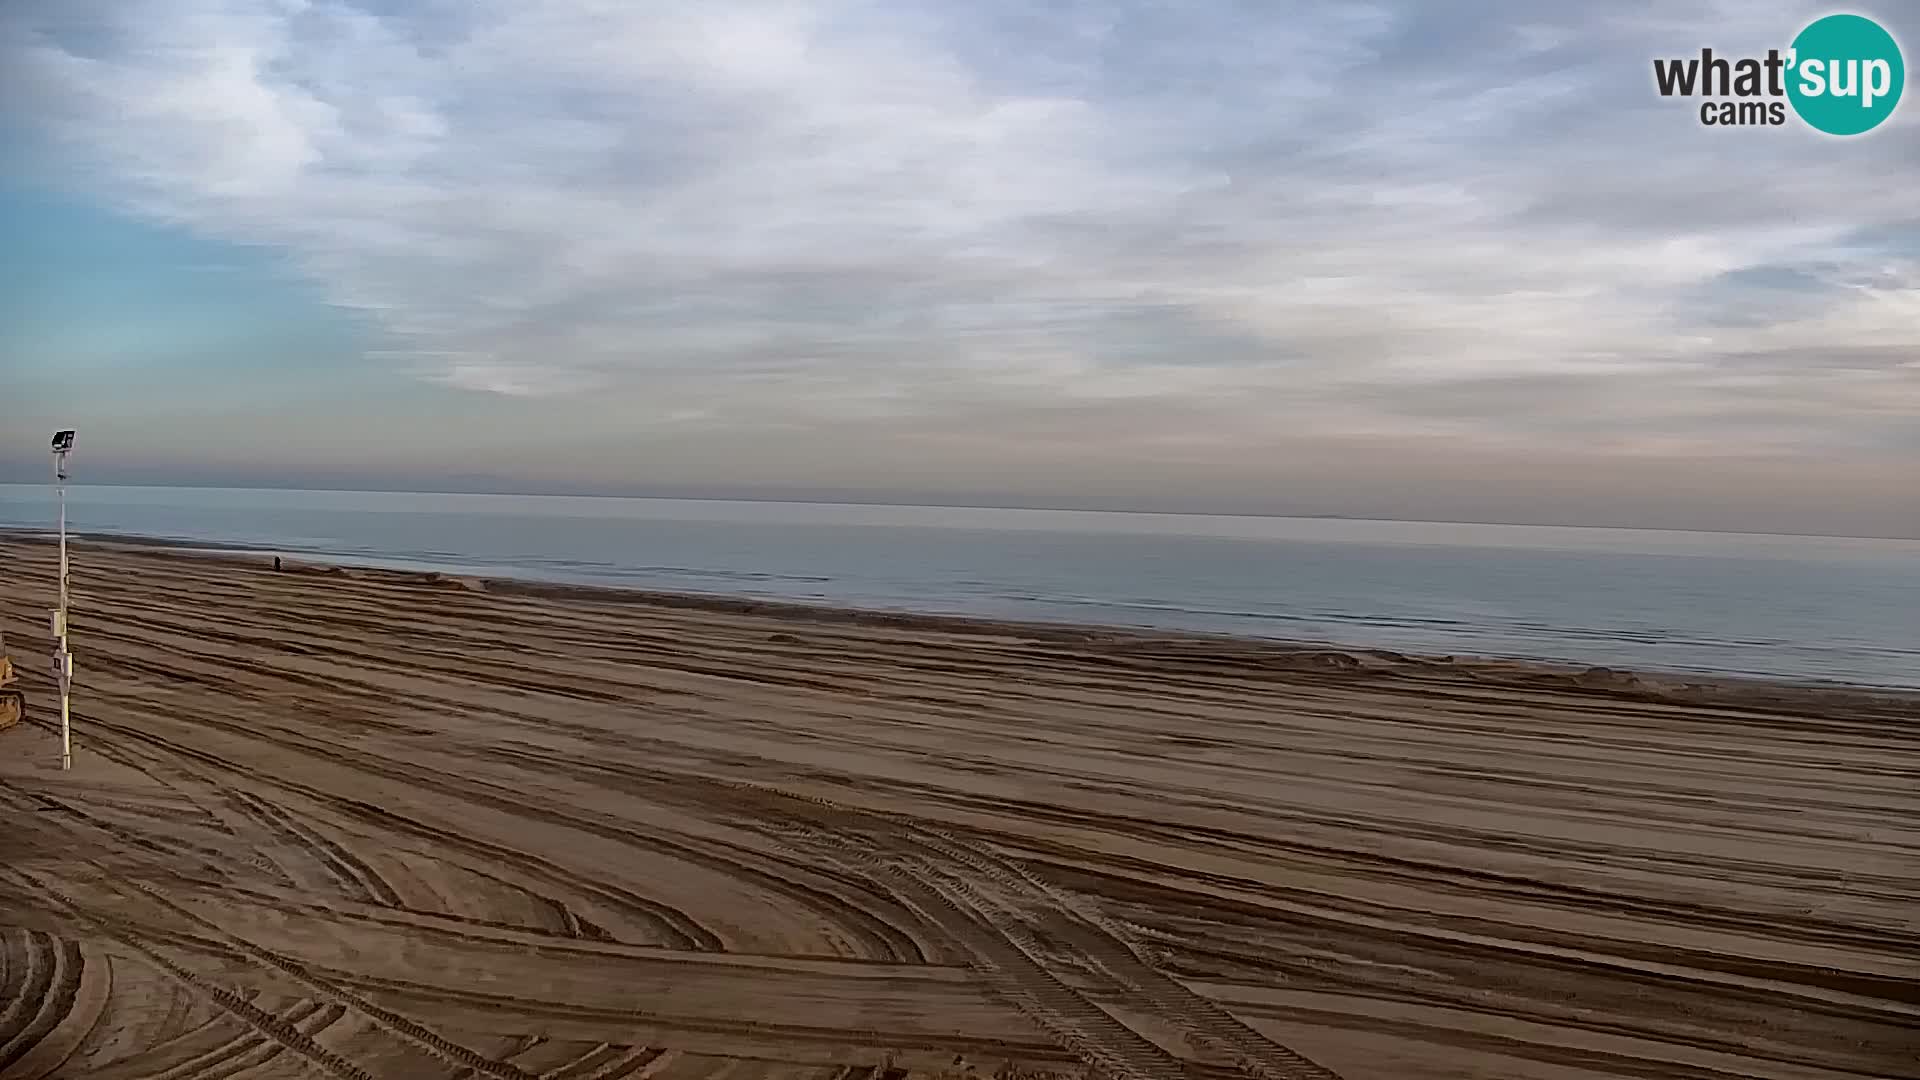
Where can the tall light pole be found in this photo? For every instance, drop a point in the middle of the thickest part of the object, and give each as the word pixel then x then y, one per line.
pixel 62 659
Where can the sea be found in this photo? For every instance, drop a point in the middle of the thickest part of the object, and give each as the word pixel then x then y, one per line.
pixel 1795 607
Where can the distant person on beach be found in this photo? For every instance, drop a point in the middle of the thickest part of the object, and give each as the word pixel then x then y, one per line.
pixel 276 564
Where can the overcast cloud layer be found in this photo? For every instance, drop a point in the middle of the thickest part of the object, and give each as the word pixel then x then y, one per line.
pixel 994 234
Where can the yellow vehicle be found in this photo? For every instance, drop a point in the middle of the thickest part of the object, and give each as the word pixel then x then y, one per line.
pixel 13 703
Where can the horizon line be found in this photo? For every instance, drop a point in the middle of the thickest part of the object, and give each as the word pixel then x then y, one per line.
pixel 878 501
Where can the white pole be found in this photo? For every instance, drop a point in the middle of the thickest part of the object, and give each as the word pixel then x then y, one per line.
pixel 63 660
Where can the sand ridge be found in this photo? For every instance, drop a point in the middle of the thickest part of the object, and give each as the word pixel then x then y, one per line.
pixel 352 823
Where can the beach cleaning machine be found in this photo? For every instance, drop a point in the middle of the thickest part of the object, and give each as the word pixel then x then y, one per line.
pixel 13 703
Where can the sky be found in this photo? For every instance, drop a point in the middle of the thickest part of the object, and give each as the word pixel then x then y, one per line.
pixel 1396 259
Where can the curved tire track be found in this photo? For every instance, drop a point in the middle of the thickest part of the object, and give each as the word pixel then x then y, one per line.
pixel 52 969
pixel 672 927
pixel 266 1024
pixel 349 870
pixel 446 1049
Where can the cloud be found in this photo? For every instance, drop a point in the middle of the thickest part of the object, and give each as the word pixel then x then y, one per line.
pixel 1206 220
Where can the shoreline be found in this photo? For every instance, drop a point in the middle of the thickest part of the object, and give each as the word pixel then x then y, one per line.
pixel 1138 645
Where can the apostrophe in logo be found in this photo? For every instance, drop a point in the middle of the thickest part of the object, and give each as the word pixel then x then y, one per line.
pixel 1842 75
pixel 1846 74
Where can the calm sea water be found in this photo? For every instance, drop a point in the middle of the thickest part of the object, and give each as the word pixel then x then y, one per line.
pixel 1796 607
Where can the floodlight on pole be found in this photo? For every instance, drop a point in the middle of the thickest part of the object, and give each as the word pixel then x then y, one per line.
pixel 62 658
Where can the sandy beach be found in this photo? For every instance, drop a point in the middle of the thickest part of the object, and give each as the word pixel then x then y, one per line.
pixel 354 823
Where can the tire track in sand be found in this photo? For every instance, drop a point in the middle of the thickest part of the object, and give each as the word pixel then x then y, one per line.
pixel 605 1062
pixel 267 1024
pixel 28 971
pixel 409 1030
pixel 238 1054
pixel 671 927
pixel 1000 931
pixel 52 980
pixel 144 940
pixel 1024 898
pixel 348 869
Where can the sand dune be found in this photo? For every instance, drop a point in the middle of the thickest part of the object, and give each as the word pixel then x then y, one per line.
pixel 332 823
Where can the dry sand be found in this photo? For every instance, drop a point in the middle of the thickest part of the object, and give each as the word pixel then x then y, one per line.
pixel 355 823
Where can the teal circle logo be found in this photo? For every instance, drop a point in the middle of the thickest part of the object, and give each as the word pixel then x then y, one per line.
pixel 1846 74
